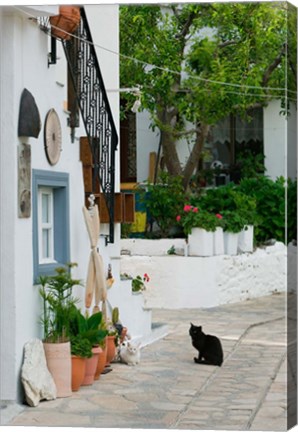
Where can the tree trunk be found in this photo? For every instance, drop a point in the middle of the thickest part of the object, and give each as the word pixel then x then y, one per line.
pixel 195 154
pixel 168 119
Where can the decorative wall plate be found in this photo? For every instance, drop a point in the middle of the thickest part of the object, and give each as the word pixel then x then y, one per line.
pixel 52 137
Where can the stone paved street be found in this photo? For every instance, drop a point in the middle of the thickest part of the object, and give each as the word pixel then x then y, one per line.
pixel 168 390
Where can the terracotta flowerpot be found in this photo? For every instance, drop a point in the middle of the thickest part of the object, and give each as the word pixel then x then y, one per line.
pixel 111 349
pixel 78 367
pixel 58 358
pixel 67 20
pixel 102 360
pixel 91 364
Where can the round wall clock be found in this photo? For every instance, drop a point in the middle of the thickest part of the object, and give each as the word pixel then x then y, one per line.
pixel 52 137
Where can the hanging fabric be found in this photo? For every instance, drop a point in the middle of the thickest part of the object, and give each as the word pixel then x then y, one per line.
pixel 96 282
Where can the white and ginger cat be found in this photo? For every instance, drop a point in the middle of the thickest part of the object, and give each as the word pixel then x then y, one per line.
pixel 130 353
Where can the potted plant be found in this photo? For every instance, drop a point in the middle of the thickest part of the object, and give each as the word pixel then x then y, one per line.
pixel 58 310
pixel 199 225
pixel 81 349
pixel 66 22
pixel 233 223
pixel 89 328
pixel 138 283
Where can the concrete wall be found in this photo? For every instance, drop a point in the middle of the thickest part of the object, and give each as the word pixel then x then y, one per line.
pixel 24 64
pixel 198 282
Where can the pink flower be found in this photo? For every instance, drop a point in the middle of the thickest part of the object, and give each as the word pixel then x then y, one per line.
pixel 187 208
pixel 219 216
pixel 178 218
pixel 146 277
pixel 195 209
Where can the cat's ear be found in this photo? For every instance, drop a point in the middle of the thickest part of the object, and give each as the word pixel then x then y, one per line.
pixel 191 324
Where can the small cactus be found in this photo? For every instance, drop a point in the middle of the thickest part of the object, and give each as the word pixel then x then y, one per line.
pixel 115 315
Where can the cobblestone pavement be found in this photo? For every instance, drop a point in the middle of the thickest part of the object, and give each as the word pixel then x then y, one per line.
pixel 167 390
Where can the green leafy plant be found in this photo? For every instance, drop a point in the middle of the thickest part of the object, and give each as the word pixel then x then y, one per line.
pixel 163 201
pixel 233 222
pixel 138 283
pixel 194 217
pixel 88 327
pixel 80 346
pixel 58 303
pixel 270 197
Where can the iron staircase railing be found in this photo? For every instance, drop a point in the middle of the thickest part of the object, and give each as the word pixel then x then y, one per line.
pixel 95 111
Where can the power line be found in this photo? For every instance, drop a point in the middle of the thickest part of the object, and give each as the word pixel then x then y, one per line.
pixel 176 72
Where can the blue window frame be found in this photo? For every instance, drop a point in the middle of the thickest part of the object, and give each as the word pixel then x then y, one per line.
pixel 50 217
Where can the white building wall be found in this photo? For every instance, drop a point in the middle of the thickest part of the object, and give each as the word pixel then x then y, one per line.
pixel 147 142
pixel 280 141
pixel 24 64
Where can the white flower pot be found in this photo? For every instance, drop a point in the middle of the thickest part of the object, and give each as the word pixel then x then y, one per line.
pixel 246 239
pixel 200 242
pixel 218 238
pixel 231 243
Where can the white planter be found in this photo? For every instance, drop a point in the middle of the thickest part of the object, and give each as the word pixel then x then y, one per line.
pixel 246 239
pixel 231 243
pixel 200 242
pixel 218 239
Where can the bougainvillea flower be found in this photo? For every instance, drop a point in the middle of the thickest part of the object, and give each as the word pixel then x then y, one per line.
pixel 187 208
pixel 219 216
pixel 178 218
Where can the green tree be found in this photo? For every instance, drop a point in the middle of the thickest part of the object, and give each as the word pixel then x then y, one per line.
pixel 186 52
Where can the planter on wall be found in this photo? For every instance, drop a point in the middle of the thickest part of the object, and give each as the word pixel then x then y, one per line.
pixel 231 243
pixel 91 365
pixel 67 20
pixel 218 238
pixel 246 239
pixel 200 242
pixel 78 368
pixel 58 358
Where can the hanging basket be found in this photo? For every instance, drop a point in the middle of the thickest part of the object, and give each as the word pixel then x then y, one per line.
pixel 66 22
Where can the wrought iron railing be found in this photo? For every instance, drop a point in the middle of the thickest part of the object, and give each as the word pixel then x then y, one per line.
pixel 95 110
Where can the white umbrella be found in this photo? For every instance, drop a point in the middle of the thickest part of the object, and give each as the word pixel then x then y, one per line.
pixel 95 283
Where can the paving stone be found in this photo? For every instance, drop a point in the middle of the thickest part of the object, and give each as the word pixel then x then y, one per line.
pixel 168 390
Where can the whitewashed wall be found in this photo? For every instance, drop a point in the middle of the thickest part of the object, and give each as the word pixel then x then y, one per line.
pixel 23 62
pixel 280 141
pixel 203 282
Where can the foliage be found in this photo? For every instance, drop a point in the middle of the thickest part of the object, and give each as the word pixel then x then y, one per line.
pixel 230 201
pixel 163 200
pixel 80 346
pixel 58 303
pixel 270 206
pixel 233 222
pixel 199 62
pixel 138 284
pixel 194 217
pixel 88 327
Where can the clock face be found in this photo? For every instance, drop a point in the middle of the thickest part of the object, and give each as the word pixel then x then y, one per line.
pixel 52 137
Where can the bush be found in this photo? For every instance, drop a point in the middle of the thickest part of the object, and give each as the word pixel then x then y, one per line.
pixel 163 201
pixel 270 201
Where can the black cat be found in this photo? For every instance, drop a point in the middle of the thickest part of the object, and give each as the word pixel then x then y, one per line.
pixel 209 347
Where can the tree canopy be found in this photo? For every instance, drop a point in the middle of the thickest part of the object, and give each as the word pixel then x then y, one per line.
pixel 199 62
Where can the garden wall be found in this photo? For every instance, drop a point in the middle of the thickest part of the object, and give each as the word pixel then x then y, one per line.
pixel 177 281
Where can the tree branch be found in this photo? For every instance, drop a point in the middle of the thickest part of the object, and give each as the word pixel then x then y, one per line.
pixel 227 43
pixel 273 65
